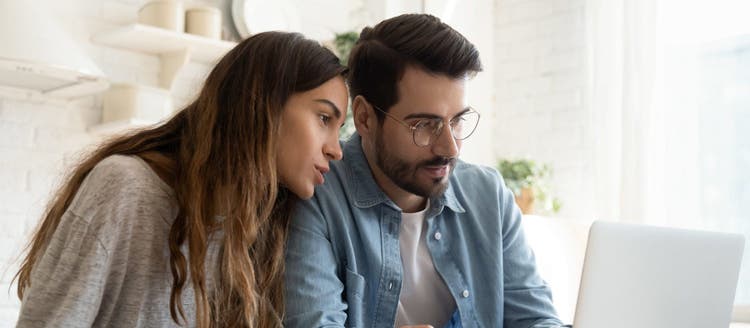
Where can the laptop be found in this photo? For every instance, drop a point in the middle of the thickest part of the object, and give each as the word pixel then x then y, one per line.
pixel 637 276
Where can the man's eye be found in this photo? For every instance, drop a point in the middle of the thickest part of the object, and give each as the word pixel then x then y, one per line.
pixel 458 120
pixel 424 125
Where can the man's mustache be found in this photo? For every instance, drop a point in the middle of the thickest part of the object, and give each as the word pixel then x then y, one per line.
pixel 439 161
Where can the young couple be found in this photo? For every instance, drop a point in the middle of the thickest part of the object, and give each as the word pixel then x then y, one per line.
pixel 240 211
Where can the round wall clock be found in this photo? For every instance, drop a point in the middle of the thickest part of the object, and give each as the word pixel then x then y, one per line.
pixel 255 16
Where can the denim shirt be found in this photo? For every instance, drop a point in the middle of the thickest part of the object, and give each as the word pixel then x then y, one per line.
pixel 343 261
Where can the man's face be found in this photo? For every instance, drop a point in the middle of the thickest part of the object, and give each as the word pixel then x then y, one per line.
pixel 420 170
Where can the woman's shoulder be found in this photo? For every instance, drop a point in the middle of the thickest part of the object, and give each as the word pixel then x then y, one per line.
pixel 125 175
pixel 126 171
pixel 123 189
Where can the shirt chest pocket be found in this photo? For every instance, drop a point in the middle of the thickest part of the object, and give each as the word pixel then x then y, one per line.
pixel 355 295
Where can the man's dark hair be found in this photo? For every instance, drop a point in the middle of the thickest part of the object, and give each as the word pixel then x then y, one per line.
pixel 381 55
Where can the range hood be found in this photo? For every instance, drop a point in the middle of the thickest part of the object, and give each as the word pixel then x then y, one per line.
pixel 38 58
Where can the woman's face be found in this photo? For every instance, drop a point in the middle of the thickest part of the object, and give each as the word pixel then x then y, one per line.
pixel 310 125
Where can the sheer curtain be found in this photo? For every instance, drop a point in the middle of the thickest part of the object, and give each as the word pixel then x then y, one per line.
pixel 668 94
pixel 621 59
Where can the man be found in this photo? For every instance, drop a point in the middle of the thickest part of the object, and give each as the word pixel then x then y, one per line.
pixel 402 232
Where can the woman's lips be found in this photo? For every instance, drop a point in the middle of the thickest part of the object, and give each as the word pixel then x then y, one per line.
pixel 320 172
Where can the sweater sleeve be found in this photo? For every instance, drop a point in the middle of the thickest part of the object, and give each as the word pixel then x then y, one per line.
pixel 98 262
pixel 67 281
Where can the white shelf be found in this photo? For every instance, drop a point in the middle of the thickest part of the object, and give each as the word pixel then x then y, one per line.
pixel 174 49
pixel 158 41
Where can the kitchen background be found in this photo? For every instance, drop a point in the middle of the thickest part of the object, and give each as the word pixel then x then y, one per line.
pixel 562 85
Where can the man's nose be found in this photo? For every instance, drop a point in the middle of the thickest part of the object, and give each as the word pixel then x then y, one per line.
pixel 446 145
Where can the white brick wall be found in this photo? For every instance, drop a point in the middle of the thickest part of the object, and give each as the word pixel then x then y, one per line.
pixel 539 79
pixel 40 139
pixel 36 142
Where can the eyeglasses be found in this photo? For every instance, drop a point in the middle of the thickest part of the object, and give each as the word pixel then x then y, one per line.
pixel 427 130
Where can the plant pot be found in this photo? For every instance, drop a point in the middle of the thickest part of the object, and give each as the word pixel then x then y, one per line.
pixel 525 201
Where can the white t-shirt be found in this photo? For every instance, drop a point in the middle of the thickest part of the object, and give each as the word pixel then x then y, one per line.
pixel 424 298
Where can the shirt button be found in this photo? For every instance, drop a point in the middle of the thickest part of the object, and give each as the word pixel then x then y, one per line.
pixel 438 235
pixel 465 293
pixel 390 285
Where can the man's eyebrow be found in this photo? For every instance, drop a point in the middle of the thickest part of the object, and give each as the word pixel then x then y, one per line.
pixel 336 110
pixel 466 110
pixel 433 116
pixel 422 115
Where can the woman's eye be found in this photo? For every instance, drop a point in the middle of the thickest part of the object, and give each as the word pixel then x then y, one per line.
pixel 324 118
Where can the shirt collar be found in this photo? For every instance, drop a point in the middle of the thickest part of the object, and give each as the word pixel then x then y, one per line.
pixel 365 191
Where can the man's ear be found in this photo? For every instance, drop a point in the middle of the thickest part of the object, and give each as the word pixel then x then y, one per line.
pixel 363 115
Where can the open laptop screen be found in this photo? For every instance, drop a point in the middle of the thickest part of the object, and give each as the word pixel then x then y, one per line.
pixel 653 277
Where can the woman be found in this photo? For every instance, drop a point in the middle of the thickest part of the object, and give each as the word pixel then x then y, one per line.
pixel 185 223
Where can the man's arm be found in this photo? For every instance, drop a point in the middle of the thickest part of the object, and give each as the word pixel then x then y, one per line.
pixel 528 299
pixel 313 287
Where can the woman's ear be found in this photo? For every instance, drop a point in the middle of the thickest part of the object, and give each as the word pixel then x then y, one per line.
pixel 363 115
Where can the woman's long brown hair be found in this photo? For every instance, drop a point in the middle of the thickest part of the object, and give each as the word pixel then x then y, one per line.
pixel 219 154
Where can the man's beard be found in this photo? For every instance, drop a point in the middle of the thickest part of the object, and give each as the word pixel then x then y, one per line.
pixel 404 174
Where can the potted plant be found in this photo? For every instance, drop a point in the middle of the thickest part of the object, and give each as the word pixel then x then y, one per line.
pixel 343 43
pixel 529 183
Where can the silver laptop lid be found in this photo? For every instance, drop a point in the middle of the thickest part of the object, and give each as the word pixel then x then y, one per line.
pixel 652 277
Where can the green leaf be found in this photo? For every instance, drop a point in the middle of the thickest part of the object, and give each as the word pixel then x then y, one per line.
pixel 525 173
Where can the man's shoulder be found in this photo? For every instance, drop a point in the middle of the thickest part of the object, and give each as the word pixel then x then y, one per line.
pixel 475 175
pixel 474 183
